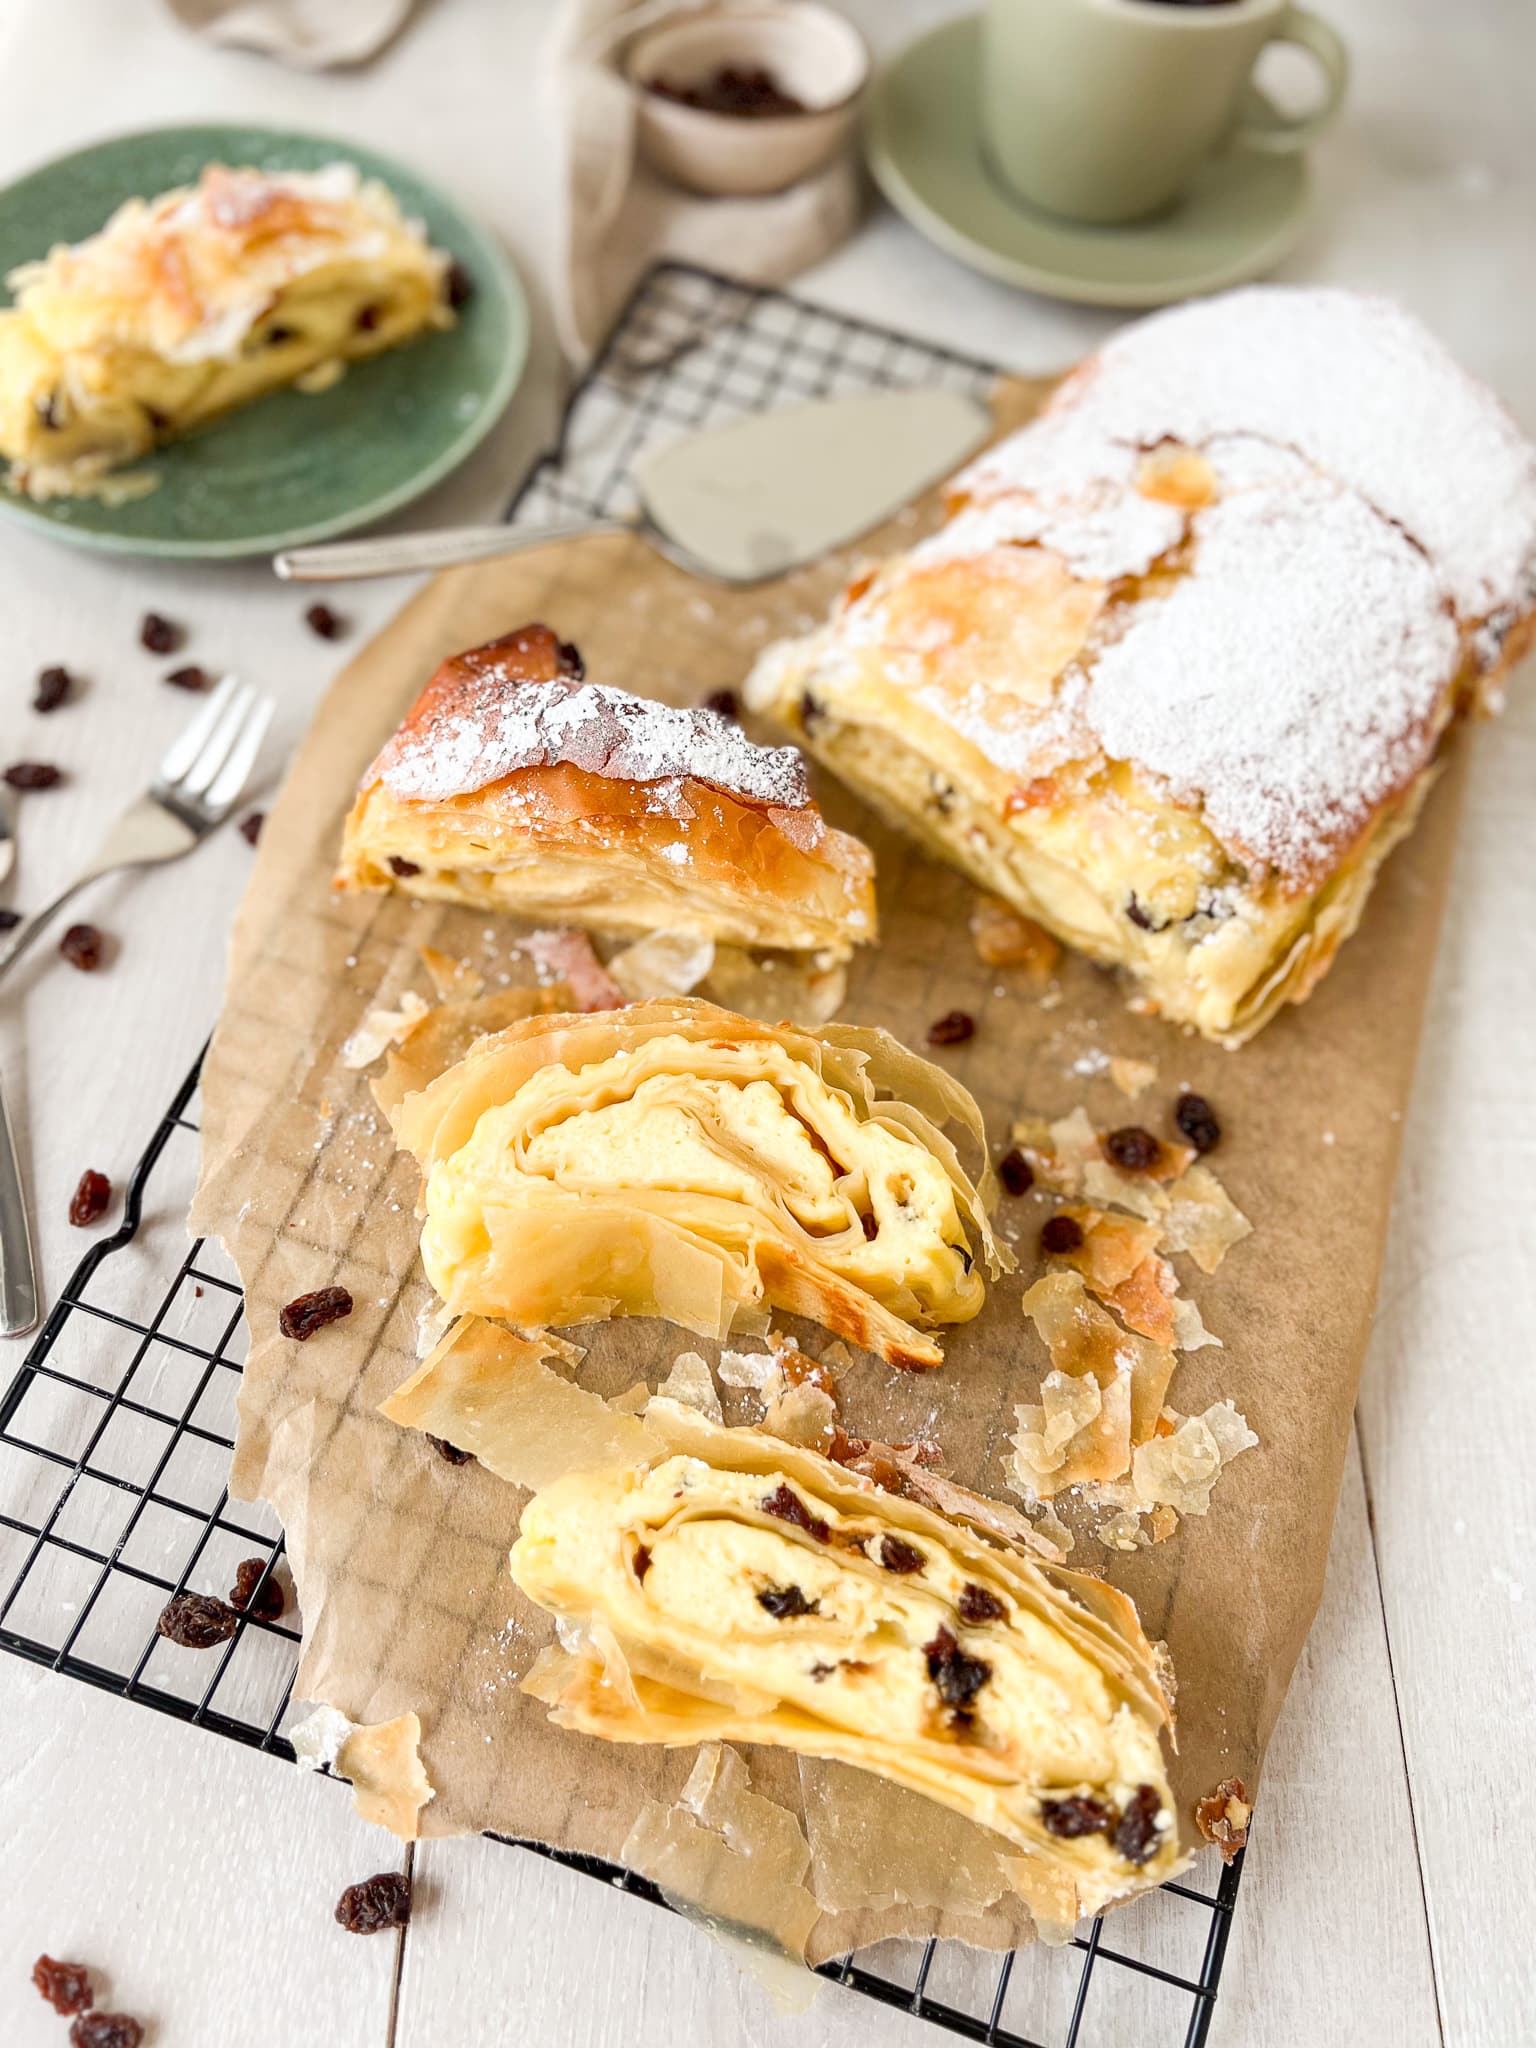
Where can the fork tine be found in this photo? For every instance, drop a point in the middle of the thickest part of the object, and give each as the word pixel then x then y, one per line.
pixel 215 749
pixel 231 778
pixel 188 744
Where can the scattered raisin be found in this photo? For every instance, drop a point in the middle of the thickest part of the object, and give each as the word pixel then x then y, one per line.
pixel 53 686
pixel 958 1677
pixel 402 867
pixel 275 336
pixel 571 663
pixel 66 1986
pixel 307 1313
pixel 450 1453
pixel 378 1902
pixel 265 1602
pixel 458 285
pixel 250 826
pixel 787 1506
pixel 322 620
pixel 1143 917
pixel 642 1561
pixel 954 1028
pixel 1067 1819
pixel 725 702
pixel 368 318
pixel 159 635
pixel 870 1228
pixel 105 2030
pixel 196 1621
pixel 192 677
pixel 1132 1149
pixel 811 714
pixel 33 775
pixel 899 1556
pixel 1061 1234
pixel 1137 1835
pixel 783 1602
pixel 9 919
pixel 1015 1172
pixel 90 1198
pixel 82 947
pixel 1197 1122
pixel 977 1605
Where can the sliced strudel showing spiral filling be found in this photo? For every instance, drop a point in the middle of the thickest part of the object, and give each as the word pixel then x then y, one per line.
pixel 1174 677
pixel 515 784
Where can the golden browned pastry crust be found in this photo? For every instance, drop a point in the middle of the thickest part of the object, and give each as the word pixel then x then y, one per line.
pixel 513 784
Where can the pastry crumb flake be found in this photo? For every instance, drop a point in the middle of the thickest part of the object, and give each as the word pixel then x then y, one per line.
pixel 1222 1817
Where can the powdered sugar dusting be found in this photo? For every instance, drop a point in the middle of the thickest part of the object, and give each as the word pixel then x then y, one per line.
pixel 496 724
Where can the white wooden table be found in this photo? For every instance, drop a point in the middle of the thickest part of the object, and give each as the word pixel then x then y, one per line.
pixel 1387 1901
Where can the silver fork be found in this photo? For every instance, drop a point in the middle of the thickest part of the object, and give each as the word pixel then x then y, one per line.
pixel 197 786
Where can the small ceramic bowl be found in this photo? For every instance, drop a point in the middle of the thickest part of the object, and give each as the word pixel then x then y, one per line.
pixel 812 52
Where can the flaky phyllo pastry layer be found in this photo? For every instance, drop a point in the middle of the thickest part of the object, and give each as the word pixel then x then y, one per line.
pixel 203 299
pixel 513 784
pixel 673 1159
pixel 736 1588
pixel 1174 677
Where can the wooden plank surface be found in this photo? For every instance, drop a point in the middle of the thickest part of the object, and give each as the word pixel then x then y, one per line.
pixel 1379 1899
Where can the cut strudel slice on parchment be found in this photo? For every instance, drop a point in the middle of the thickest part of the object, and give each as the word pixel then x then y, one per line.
pixel 514 784
pixel 1174 676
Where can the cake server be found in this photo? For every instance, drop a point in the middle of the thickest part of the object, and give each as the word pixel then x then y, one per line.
pixel 737 503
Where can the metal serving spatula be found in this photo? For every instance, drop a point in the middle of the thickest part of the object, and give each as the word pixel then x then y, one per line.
pixel 738 503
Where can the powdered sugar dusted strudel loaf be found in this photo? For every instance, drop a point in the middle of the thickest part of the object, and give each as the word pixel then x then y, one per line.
pixel 1173 677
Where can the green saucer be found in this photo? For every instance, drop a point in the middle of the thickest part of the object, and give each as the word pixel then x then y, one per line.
pixel 288 468
pixel 923 140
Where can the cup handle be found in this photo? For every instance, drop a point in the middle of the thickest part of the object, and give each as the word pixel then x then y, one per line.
pixel 1263 126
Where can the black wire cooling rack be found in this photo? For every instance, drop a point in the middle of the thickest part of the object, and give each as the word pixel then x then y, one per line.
pixel 116 1434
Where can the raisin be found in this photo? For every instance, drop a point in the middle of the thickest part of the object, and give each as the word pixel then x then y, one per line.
pixel 301 1317
pixel 870 1228
pixel 724 702
pixel 368 317
pixel 954 1028
pixel 105 2030
pixel 785 1504
pixel 90 1198
pixel 642 1561
pixel 9 919
pixel 958 1677
pixel 265 1602
pixel 276 336
pixel 1015 1172
pixel 977 1605
pixel 192 677
pixel 398 865
pixel 378 1902
pixel 1142 917
pixel 82 946
pixel 811 714
pixel 322 620
pixel 49 411
pixel 1067 1819
pixel 458 285
pixel 159 635
pixel 900 1556
pixel 571 663
pixel 33 775
pixel 1197 1122
pixel 66 1986
pixel 53 686
pixel 783 1602
pixel 450 1453
pixel 1132 1149
pixel 1061 1234
pixel 196 1621
pixel 1137 1835
pixel 250 826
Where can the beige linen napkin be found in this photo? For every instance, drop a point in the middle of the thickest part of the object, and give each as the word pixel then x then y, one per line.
pixel 619 216
pixel 312 35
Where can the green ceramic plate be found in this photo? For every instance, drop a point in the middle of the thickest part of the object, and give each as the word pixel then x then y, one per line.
pixel 288 468
pixel 923 139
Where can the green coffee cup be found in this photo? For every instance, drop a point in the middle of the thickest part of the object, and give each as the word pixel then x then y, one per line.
pixel 1104 110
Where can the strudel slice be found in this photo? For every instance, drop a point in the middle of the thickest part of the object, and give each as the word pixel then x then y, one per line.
pixel 514 784
pixel 673 1159
pixel 1175 675
pixel 203 299
pixel 746 1590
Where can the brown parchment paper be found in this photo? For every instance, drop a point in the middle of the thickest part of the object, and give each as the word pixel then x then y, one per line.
pixel 399 1559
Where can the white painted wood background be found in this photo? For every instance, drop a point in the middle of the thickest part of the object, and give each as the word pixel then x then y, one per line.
pixel 1387 1902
